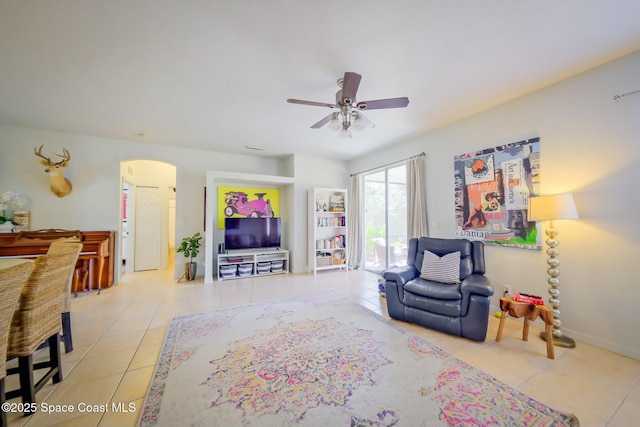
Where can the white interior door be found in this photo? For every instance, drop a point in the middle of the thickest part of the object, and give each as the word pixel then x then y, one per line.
pixel 147 236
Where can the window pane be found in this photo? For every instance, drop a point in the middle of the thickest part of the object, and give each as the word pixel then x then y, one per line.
pixel 385 218
pixel 375 230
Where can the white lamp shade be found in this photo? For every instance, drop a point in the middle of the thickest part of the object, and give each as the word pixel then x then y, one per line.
pixel 558 206
pixel 360 122
pixel 335 125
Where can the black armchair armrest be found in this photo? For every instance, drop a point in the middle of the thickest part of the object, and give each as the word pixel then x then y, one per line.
pixel 400 275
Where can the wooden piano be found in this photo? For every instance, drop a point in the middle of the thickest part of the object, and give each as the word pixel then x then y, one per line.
pixel 95 268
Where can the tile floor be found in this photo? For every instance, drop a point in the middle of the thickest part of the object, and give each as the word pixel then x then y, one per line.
pixel 118 334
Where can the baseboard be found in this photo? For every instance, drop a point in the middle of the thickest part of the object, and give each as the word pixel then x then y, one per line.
pixel 633 353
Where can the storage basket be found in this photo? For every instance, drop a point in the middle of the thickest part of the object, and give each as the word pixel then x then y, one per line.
pixel 245 269
pixel 323 261
pixel 227 271
pixel 337 261
pixel 276 265
pixel 264 267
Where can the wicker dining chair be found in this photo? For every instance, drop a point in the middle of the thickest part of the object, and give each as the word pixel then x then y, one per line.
pixel 12 281
pixel 36 321
pixel 58 246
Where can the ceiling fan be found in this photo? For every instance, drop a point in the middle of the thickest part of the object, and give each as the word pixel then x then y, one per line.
pixel 350 115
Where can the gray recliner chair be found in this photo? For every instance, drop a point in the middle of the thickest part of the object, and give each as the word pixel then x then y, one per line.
pixel 460 309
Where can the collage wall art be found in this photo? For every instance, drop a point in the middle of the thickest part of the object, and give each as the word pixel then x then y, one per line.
pixel 492 190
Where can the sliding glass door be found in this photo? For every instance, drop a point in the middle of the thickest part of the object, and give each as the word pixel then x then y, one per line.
pixel 385 201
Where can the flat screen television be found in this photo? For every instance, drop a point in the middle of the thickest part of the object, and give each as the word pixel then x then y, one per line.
pixel 251 233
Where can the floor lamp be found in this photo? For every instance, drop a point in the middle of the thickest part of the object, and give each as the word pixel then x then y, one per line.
pixel 543 208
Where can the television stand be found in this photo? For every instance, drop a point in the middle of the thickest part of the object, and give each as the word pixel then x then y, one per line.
pixel 240 264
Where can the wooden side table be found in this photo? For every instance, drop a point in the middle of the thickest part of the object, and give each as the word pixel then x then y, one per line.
pixel 530 312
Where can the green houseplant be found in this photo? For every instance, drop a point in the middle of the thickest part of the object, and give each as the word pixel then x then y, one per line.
pixel 190 247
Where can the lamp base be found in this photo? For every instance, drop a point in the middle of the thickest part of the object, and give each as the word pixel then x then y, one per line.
pixel 563 341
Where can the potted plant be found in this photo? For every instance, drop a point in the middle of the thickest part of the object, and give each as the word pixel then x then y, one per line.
pixel 190 247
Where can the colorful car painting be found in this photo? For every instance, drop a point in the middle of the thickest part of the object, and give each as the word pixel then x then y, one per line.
pixel 238 203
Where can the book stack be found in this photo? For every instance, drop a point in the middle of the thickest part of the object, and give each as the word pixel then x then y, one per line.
pixel 336 203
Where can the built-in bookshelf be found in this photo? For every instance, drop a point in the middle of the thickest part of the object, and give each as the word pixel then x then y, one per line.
pixel 328 229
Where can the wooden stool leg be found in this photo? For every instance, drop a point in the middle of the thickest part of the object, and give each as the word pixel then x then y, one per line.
pixel 499 336
pixel 525 330
pixel 550 352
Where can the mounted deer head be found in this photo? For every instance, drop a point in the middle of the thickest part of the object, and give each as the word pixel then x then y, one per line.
pixel 60 186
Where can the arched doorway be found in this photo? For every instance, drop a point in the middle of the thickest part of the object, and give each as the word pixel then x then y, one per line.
pixel 147 227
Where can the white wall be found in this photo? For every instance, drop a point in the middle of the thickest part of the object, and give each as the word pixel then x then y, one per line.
pixel 312 172
pixel 94 171
pixel 589 146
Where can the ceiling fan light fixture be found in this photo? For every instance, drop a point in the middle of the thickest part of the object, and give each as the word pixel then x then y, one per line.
pixel 335 125
pixel 345 133
pixel 346 121
pixel 360 122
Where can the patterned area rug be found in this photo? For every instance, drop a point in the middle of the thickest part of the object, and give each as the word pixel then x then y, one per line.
pixel 321 360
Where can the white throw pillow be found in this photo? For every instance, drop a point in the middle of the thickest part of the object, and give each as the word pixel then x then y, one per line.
pixel 445 269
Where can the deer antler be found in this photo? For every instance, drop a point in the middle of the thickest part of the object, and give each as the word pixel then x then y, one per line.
pixel 66 156
pixel 38 152
pixel 60 186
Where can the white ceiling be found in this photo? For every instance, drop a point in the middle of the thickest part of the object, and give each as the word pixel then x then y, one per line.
pixel 216 74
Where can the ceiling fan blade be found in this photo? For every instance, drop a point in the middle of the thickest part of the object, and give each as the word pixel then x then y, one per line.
pixel 378 104
pixel 350 86
pixel 314 103
pixel 323 122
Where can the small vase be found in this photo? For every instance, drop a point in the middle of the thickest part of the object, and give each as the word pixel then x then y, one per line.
pixel 190 269
pixel 6 227
pixel 22 220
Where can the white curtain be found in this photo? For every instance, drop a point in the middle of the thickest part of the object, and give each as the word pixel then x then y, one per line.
pixel 416 198
pixel 355 223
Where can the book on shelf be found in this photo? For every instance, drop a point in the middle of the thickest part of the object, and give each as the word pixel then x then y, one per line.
pixel 326 221
pixel 336 242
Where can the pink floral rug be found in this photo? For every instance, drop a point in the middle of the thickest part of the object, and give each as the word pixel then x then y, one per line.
pixel 321 360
